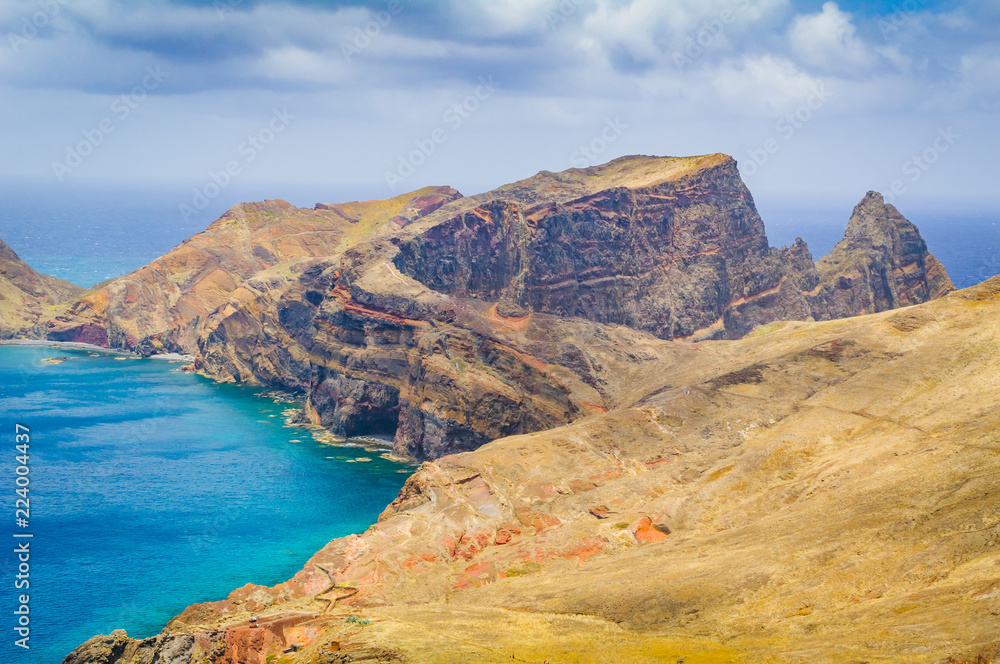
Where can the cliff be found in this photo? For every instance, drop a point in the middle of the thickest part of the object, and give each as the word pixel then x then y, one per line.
pixel 595 486
pixel 766 499
pixel 28 299
pixel 437 332
pixel 439 319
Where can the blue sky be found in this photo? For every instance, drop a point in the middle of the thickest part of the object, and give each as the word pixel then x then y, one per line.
pixel 367 99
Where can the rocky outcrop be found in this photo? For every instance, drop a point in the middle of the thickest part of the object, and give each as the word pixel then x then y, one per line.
pixel 449 374
pixel 261 335
pixel 117 647
pixel 882 263
pixel 746 498
pixel 436 319
pixel 672 247
pixel 162 306
pixel 28 299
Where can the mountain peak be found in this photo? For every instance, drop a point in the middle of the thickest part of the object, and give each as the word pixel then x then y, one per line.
pixel 881 263
pixel 873 197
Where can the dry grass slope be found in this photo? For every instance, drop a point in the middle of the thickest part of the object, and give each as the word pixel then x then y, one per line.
pixel 815 492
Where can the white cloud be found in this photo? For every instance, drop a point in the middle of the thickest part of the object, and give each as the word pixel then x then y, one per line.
pixel 607 58
pixel 767 85
pixel 652 31
pixel 504 17
pixel 289 63
pixel 829 41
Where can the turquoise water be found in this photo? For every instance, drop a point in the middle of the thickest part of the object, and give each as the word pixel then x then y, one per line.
pixel 152 489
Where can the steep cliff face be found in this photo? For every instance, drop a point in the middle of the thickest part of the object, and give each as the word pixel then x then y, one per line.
pixel 673 247
pixel 28 299
pixel 436 318
pixel 162 306
pixel 669 246
pixel 447 374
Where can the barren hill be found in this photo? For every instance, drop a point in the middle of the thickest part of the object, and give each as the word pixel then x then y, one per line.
pixel 815 492
pixel 29 299
pixel 440 319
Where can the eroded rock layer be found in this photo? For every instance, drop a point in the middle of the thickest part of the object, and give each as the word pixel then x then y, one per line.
pixel 162 306
pixel 407 339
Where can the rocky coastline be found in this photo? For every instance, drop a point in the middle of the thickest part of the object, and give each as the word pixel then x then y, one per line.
pixel 637 423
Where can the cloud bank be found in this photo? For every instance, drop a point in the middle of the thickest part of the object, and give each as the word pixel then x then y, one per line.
pixel 369 80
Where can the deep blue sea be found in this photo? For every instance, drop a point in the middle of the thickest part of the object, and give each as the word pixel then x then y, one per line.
pixel 152 489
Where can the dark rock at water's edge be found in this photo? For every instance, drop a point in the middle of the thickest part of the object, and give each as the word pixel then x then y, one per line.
pixel 117 647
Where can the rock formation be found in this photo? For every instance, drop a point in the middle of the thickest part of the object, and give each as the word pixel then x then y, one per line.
pixel 441 332
pixel 766 499
pixel 28 299
pixel 159 307
pixel 802 473
pixel 882 263
pixel 438 319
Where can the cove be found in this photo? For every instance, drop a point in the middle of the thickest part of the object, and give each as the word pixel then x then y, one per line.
pixel 152 489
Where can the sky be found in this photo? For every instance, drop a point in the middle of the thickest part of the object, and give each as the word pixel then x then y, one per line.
pixel 348 100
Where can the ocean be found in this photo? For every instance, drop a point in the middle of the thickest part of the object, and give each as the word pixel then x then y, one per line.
pixel 152 489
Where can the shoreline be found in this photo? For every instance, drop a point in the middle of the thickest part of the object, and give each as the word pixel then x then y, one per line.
pixel 76 345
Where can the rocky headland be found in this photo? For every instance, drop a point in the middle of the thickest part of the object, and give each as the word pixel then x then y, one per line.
pixel 450 321
pixel 641 425
pixel 814 492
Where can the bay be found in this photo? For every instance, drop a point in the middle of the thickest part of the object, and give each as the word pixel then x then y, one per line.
pixel 152 489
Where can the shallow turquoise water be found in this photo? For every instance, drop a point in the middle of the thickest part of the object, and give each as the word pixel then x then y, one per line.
pixel 152 489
